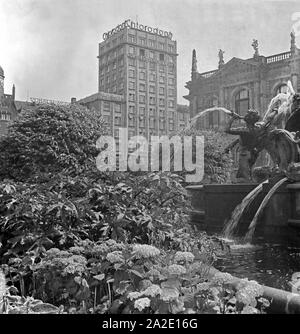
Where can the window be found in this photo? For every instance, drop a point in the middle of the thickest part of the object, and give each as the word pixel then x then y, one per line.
pixel 162 79
pixel 142 99
pixel 152 76
pixel 162 124
pixel 114 89
pixel 131 74
pixel 142 64
pixel 161 46
pixel 5 117
pixel 213 117
pixel 107 79
pixel 117 133
pixel 161 90
pixel 131 120
pixel 152 100
pixel 142 110
pixel 171 91
pixel 161 68
pixel 152 89
pixel 101 82
pixel 131 50
pixel 171 48
pixel 117 108
pixel 106 119
pixel 161 102
pixel 115 54
pixel 281 89
pixel 152 122
pixel 131 61
pixel 107 68
pixel 114 77
pixel 151 43
pixel 171 125
pixel 131 109
pixel 152 111
pixel 161 113
pixel 171 59
pixel 152 66
pixel 142 87
pixel 121 38
pixel 142 41
pixel 118 120
pixel 161 57
pixel 131 85
pixel 121 62
pixel 131 133
pixel 171 68
pixel 142 75
pixel 142 122
pixel 142 52
pixel 131 97
pixel 171 81
pixel 242 102
pixel 171 104
pixel 151 55
pixel 131 38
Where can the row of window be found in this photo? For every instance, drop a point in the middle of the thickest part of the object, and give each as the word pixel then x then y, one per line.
pixel 152 88
pixel 152 77
pixel 142 122
pixel 151 54
pixel 152 100
pixel 5 117
pixel 111 55
pixel 142 41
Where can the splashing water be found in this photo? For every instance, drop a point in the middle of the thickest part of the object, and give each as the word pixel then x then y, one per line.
pixel 265 201
pixel 202 113
pixel 239 210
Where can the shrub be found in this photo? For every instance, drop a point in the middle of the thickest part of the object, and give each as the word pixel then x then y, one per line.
pixel 50 138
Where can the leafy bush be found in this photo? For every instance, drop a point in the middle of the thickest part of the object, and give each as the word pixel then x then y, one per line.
pixel 218 165
pixel 114 277
pixel 50 138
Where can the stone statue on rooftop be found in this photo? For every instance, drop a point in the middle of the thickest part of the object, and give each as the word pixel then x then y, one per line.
pixel 255 47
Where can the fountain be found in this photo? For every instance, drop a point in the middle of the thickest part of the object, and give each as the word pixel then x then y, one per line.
pixel 278 134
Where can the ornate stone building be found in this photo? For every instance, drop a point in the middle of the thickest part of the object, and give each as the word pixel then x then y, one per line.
pixel 8 108
pixel 241 84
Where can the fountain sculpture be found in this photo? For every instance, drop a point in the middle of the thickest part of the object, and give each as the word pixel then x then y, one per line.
pixel 278 133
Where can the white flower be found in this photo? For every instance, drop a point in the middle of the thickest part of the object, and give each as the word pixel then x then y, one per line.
pixel 145 251
pixel 134 295
pixel 142 303
pixel 115 257
pixel 222 278
pixel 176 269
pixel 184 257
pixel 152 291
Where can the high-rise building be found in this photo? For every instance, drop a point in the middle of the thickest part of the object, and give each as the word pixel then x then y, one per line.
pixel 140 63
pixel 8 108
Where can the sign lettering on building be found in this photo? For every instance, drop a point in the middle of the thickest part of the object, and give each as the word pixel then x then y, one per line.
pixel 136 25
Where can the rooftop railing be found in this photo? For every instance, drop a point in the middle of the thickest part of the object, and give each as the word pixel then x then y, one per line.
pixel 279 57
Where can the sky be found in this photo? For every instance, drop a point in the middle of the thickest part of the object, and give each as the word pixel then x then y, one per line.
pixel 49 48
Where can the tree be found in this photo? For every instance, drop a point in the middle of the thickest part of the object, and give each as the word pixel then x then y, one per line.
pixel 50 139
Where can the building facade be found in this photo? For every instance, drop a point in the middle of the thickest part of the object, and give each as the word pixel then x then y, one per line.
pixel 140 63
pixel 111 107
pixel 241 84
pixel 8 108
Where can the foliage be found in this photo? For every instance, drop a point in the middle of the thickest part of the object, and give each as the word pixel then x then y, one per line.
pixel 50 138
pixel 115 277
pixel 218 165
